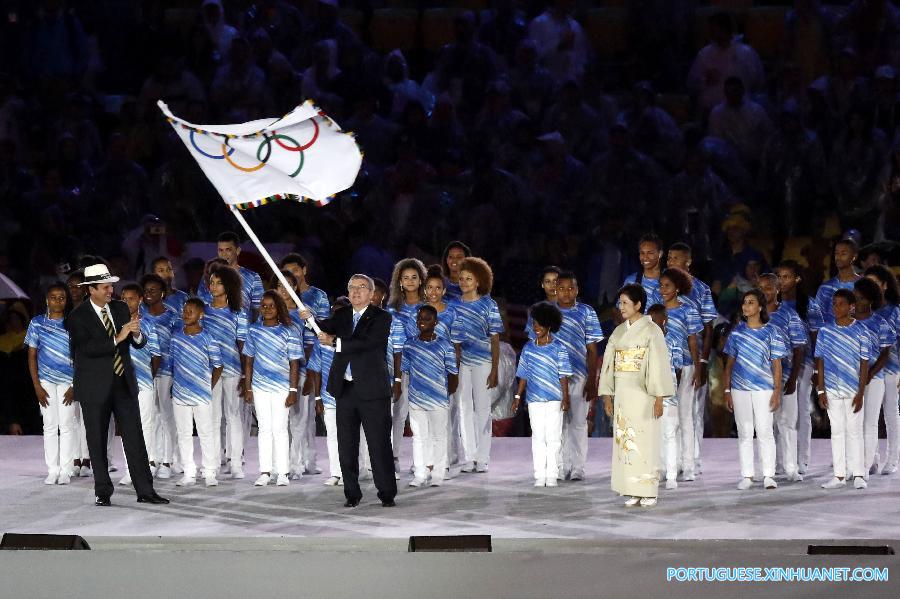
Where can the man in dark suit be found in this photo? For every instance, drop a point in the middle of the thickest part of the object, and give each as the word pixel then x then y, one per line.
pixel 101 332
pixel 360 384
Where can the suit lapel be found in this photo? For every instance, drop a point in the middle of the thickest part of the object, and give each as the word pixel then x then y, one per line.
pixel 369 313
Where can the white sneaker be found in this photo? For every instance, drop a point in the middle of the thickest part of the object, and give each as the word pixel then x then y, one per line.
pixel 85 471
pixel 178 468
pixel 211 480
pixel 859 483
pixel 688 475
pixel 295 475
pixel 770 483
pixel 436 481
pixel 417 482
pixel 481 467
pixel 332 481
pixel 262 481
pixel 745 484
pixel 874 468
pixel 540 482
pixel 453 471
pixel 577 475
pixel 467 467
pixel 283 480
pixel 186 481
pixel 340 482
pixel 889 469
pixel 153 470
pixel 648 501
pixel 632 502
pixel 64 478
pixel 312 470
pixel 226 467
pixel 51 479
pixel 834 483
pixel 802 469
pixel 164 472
pixel 552 482
pixel 125 480
pixel 671 483
pixel 237 473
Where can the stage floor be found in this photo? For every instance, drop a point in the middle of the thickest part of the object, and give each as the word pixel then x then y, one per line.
pixel 502 503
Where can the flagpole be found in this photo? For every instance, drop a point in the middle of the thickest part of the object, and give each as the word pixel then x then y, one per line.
pixel 311 322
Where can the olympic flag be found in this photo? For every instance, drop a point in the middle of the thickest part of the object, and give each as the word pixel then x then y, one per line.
pixel 302 156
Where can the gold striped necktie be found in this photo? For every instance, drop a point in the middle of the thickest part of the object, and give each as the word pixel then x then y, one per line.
pixel 118 368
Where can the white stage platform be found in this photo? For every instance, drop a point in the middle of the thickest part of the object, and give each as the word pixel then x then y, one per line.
pixel 502 503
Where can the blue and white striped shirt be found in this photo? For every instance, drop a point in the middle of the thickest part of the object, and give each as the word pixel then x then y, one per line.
pixel 51 340
pixel 251 289
pixel 542 367
pixel 428 363
pixel 881 336
pixel 142 358
pixel 227 328
pixel 793 333
pixel 579 327
pixel 320 361
pixel 891 314
pixel 175 300
pixel 403 325
pixel 841 349
pixel 701 299
pixel 676 361
pixel 651 288
pixel 316 301
pixel 272 349
pixel 820 311
pixel 194 357
pixel 166 324
pixel 475 323
pixel 684 321
pixel 753 351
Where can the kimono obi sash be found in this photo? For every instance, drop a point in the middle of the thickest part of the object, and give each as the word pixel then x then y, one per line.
pixel 630 360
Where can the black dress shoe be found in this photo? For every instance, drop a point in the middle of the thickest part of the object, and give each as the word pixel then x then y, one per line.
pixel 102 501
pixel 351 503
pixel 388 503
pixel 152 498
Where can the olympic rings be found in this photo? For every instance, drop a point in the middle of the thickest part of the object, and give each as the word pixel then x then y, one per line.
pixel 194 143
pixel 268 143
pixel 300 148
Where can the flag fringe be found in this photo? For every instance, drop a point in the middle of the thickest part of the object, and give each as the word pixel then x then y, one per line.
pixel 282 197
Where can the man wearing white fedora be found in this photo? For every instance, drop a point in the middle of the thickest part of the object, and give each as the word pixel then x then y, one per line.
pixel 101 332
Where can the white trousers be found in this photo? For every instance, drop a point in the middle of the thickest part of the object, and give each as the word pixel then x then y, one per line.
pixel 786 422
pixel 891 410
pixel 847 445
pixel 166 446
pixel 669 443
pixel 185 419
pixel 686 398
pixel 872 402
pixel 81 448
pixel 573 453
pixel 399 412
pixel 805 409
pixel 751 411
pixel 474 400
pixel 546 437
pixel 700 397
pixel 454 445
pixel 334 461
pixel 272 419
pixel 59 430
pixel 302 424
pixel 226 397
pixel 429 428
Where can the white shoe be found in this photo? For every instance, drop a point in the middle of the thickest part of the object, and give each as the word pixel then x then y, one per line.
pixel 770 483
pixel 540 482
pixel 889 469
pixel 237 473
pixel 671 483
pixel 211 480
pixel 802 470
pixel 262 481
pixel 332 481
pixel 859 483
pixel 874 468
pixel 577 475
pixel 283 480
pixel 125 480
pixel 467 467
pixel 178 468
pixel 51 479
pixel 648 501
pixel 632 502
pixel 226 467
pixel 396 466
pixel 85 471
pixel 688 475
pixel 153 470
pixel 417 482
pixel 186 481
pixel 64 478
pixel 295 475
pixel 745 484
pixel 834 483
pixel 164 472
pixel 552 482
pixel 481 467
pixel 340 482
pixel 453 472
pixel 313 470
pixel 435 482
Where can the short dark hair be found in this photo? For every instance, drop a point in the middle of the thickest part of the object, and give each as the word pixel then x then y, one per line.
pixel 656 309
pixel 682 280
pixel 849 243
pixel 548 269
pixel 60 286
pixel 792 265
pixel 195 301
pixel 229 236
pixel 152 278
pixel 340 302
pixel 870 290
pixel 157 260
pixel 651 238
pixel 133 287
pixel 275 282
pixel 760 299
pixel 379 284
pixel 546 315
pixel 429 308
pixel 567 275
pixel 294 258
pixel 846 294
pixel 680 246
pixel 635 293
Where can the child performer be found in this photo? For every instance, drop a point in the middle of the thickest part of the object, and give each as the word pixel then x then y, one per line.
pixel 544 370
pixel 196 368
pixel 752 382
pixel 669 442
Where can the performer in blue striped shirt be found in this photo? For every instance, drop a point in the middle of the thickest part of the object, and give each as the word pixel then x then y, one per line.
pixel 196 368
pixel 685 325
pixel 476 334
pixel 174 298
pixel 228 247
pixel 669 429
pixel 165 321
pixel 454 254
pixel 793 332
pixel 842 361
pixel 273 353
pixel 145 361
pixel 429 363
pixel 226 320
pixel 890 311
pixel 50 366
pixel 881 338
pixel 820 312
pixel 650 251
pixel 752 383
pixel 544 370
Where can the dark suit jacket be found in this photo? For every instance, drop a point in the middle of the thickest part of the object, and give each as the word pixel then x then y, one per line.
pixel 92 351
pixel 364 348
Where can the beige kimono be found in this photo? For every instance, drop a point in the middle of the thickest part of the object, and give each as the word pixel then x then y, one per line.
pixel 635 371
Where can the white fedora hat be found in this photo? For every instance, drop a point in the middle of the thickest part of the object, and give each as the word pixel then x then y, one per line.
pixel 98 273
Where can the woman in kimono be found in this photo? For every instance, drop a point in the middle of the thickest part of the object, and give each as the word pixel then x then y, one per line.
pixel 634 379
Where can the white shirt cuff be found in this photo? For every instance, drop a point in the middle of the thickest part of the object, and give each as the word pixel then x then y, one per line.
pixel 337 347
